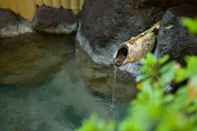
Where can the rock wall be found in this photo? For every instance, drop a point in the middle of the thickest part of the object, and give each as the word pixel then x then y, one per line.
pixel 174 39
pixel 105 24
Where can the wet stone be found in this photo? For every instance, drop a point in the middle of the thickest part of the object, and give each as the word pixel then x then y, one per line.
pixel 12 25
pixel 7 18
pixel 30 58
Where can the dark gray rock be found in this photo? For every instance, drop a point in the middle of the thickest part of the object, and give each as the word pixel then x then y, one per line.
pixel 54 20
pixel 12 25
pixel 7 18
pixel 107 23
pixel 173 38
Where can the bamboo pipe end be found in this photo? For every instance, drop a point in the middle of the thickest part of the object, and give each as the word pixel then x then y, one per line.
pixel 121 55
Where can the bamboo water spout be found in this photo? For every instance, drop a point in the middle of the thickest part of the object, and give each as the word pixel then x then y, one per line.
pixel 136 47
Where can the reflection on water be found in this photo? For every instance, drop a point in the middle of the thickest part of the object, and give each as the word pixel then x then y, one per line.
pixel 48 84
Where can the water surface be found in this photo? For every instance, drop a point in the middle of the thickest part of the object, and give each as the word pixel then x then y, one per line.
pixel 47 83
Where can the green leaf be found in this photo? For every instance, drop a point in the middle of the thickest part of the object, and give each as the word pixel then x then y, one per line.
pixel 191 24
pixel 153 109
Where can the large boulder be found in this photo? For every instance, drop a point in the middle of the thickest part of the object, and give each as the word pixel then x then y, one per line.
pixel 173 38
pixel 54 20
pixel 106 23
pixel 12 24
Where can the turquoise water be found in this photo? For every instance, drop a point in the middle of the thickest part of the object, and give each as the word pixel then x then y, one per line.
pixel 47 83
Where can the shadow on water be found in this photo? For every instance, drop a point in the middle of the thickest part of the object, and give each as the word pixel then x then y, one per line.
pixel 49 84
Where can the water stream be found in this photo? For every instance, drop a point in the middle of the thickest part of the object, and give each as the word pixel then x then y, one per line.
pixel 113 100
pixel 47 83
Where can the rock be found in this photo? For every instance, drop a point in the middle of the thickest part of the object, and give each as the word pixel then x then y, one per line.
pixel 12 25
pixel 32 58
pixel 7 18
pixel 173 38
pixel 106 23
pixel 54 20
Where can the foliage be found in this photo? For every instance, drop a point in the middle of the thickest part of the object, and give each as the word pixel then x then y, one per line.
pixel 96 124
pixel 155 109
pixel 191 24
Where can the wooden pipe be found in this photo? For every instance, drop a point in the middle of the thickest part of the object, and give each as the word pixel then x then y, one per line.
pixel 136 47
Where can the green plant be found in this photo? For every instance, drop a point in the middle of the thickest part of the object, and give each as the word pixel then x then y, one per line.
pixel 191 24
pixel 153 109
